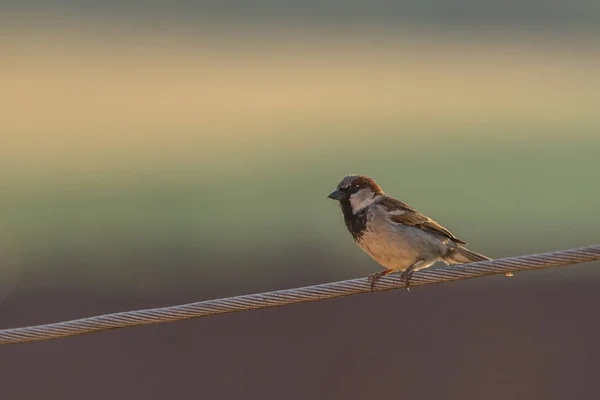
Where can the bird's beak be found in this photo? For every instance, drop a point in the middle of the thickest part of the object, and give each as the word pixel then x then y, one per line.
pixel 337 195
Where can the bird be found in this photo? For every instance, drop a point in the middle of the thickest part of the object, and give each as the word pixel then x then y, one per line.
pixel 395 234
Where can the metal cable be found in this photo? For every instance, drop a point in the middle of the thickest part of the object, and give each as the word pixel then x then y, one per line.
pixel 297 295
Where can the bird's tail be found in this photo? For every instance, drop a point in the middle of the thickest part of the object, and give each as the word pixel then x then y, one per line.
pixel 462 255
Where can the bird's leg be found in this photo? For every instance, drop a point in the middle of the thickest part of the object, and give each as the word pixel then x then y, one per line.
pixel 405 277
pixel 373 278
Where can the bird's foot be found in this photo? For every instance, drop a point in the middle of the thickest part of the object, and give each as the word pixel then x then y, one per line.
pixel 405 277
pixel 374 277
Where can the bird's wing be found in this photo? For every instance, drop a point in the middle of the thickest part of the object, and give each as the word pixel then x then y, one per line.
pixel 402 213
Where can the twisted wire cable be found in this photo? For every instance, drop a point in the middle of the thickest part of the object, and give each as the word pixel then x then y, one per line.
pixel 296 295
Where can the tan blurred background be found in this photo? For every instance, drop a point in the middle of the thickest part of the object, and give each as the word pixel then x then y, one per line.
pixel 154 154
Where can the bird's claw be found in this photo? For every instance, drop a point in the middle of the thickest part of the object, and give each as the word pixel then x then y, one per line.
pixel 405 277
pixel 372 279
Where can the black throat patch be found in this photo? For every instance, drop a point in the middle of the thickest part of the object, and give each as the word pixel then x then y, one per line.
pixel 356 223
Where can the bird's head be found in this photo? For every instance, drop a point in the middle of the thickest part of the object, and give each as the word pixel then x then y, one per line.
pixel 358 191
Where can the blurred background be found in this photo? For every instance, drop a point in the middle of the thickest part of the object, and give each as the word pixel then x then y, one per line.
pixel 155 153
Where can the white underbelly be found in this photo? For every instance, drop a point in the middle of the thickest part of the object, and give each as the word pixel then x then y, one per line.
pixel 398 247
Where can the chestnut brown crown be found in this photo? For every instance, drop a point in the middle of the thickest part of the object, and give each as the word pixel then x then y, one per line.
pixel 352 184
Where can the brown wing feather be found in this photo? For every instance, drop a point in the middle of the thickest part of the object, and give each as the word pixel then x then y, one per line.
pixel 414 218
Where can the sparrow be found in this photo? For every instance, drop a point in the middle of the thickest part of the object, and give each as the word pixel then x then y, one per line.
pixel 393 233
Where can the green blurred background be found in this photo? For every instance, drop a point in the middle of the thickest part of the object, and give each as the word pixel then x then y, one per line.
pixel 161 152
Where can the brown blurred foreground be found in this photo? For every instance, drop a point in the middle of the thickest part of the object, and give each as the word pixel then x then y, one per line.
pixel 532 336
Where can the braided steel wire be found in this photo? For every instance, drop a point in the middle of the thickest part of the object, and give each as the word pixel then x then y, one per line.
pixel 297 295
